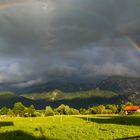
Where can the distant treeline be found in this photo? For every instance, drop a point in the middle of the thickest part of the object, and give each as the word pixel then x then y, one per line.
pixel 20 110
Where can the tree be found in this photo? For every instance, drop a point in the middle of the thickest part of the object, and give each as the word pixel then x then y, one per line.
pixel 74 111
pixel 113 108
pixel 122 107
pixel 18 109
pixel 49 111
pixel 128 104
pixel 67 110
pixel 31 110
pixel 10 113
pixel 101 109
pixel 60 109
pixel 63 109
pixel 82 111
pixel 4 111
pixel 94 110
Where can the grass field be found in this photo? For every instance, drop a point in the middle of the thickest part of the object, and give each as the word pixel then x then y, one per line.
pixel 71 128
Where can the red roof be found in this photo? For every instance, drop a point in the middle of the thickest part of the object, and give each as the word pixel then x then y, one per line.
pixel 131 108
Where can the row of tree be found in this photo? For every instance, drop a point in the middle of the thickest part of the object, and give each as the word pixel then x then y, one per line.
pixel 22 111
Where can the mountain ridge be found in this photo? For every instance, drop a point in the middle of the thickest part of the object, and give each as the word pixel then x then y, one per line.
pixel 116 88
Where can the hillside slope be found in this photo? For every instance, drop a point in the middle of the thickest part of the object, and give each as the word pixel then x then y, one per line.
pixel 60 95
pixel 57 97
pixel 120 84
pixel 114 89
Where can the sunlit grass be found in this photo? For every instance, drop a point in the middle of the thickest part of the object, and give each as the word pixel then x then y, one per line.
pixel 78 127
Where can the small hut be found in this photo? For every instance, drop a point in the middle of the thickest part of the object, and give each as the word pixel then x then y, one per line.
pixel 131 109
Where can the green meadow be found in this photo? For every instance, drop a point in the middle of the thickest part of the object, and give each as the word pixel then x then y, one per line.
pixel 80 127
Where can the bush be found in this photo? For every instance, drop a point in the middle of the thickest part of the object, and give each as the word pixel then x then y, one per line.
pixel 107 111
pixel 135 113
pixel 74 111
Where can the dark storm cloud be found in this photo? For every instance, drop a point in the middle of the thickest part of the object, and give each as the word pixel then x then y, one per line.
pixel 42 40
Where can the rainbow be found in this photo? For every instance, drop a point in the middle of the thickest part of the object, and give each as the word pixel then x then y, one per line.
pixel 134 50
pixel 7 5
pixel 14 3
pixel 133 43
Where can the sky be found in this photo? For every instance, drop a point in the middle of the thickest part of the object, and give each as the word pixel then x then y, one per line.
pixel 43 40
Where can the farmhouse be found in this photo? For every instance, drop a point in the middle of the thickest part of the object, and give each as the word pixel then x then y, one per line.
pixel 130 109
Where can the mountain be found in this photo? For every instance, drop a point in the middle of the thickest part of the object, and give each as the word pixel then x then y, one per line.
pixel 117 84
pixel 126 86
pixel 134 97
pixel 9 98
pixel 61 95
pixel 55 98
pixel 120 85
pixel 111 90
pixel 66 85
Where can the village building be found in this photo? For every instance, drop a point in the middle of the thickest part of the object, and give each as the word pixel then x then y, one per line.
pixel 131 109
